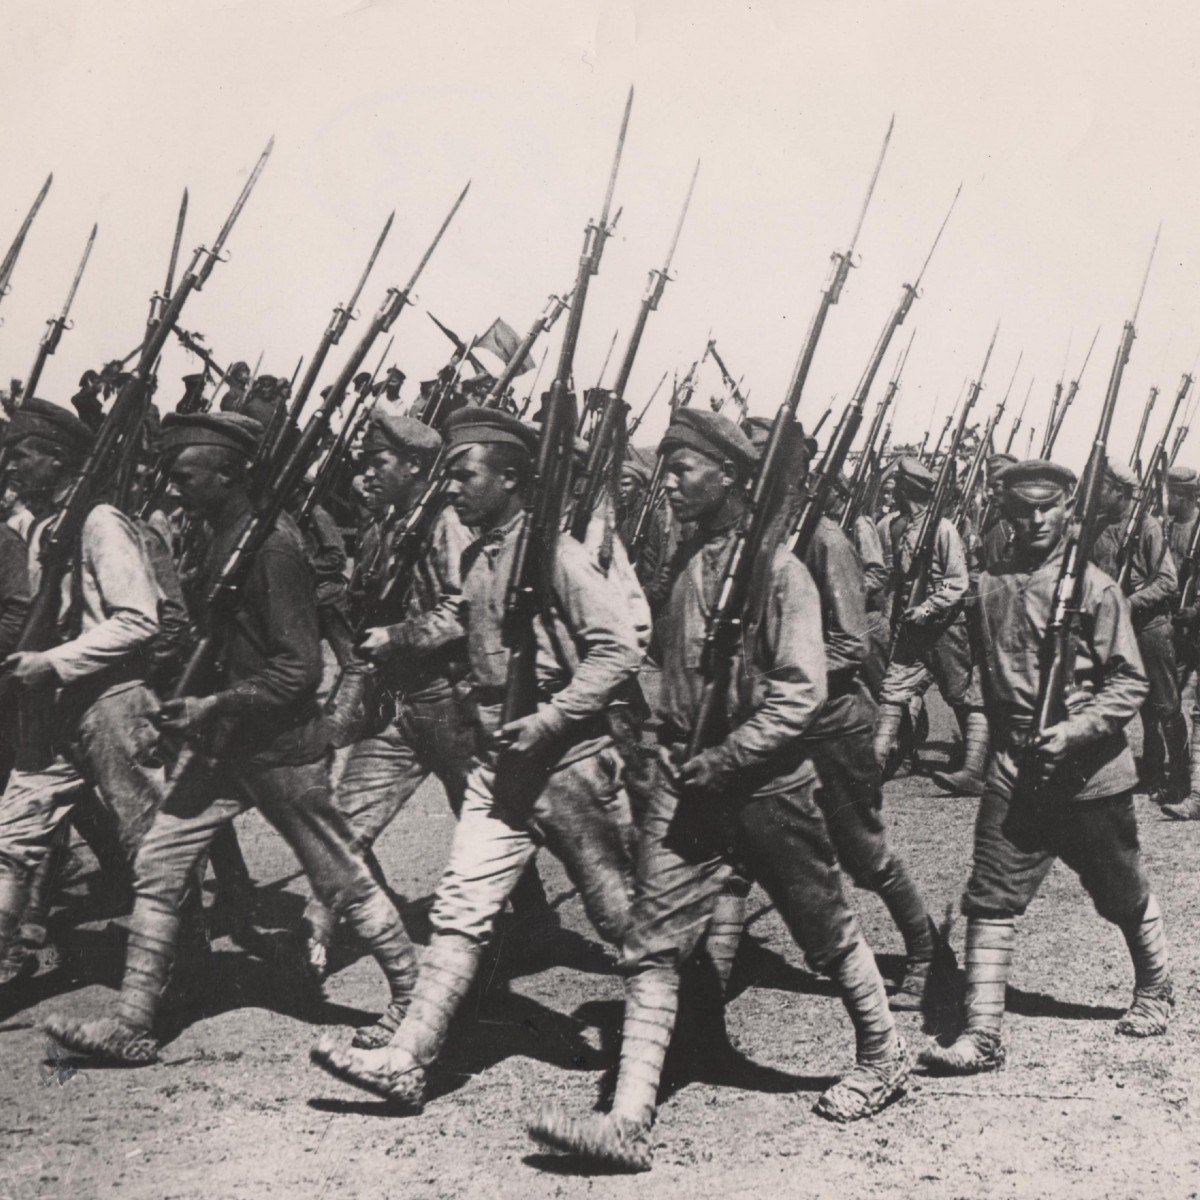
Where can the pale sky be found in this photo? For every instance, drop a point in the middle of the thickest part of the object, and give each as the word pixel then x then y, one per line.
pixel 1074 128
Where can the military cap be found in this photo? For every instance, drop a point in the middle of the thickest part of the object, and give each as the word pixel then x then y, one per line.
pixel 230 431
pixel 758 430
pixel 913 477
pixel 41 419
pixel 840 484
pixel 1037 480
pixel 639 463
pixel 473 425
pixel 387 432
pixel 1183 479
pixel 1120 473
pixel 710 434
pixel 997 462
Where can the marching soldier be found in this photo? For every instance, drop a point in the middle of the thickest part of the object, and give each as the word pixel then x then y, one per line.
pixel 587 651
pixel 1153 582
pixel 252 741
pixel 419 659
pixel 1183 510
pixel 931 645
pixel 102 736
pixel 1084 812
pixel 753 793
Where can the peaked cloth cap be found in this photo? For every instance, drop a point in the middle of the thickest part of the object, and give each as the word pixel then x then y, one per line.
pixel 1183 479
pixel 51 423
pixel 474 425
pixel 388 432
pixel 1038 480
pixel 914 477
pixel 230 431
pixel 710 434
pixel 1120 473
pixel 997 462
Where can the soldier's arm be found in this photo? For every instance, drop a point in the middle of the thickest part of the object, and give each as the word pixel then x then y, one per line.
pixel 1120 686
pixel 14 588
pixel 794 679
pixel 596 616
pixel 950 575
pixel 1163 580
pixel 111 554
pixel 870 550
pixel 832 561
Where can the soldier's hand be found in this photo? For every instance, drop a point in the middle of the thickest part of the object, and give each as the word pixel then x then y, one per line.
pixel 373 641
pixel 188 715
pixel 701 774
pixel 1052 746
pixel 920 614
pixel 522 736
pixel 30 668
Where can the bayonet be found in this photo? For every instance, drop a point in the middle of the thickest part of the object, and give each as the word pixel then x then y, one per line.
pixel 213 255
pixel 14 251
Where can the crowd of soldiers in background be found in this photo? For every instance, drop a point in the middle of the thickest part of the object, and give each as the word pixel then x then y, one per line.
pixel 681 669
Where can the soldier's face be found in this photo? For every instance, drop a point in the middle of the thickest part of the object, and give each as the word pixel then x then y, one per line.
pixel 390 479
pixel 35 469
pixel 696 486
pixel 199 481
pixel 481 493
pixel 1038 527
pixel 1180 502
pixel 628 486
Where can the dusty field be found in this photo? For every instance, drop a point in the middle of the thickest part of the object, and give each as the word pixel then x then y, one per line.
pixel 235 1110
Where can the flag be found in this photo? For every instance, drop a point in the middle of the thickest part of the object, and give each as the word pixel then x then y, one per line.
pixel 502 341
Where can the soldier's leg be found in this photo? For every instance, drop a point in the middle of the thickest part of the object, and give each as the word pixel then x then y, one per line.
pixel 906 679
pixel 1012 856
pixel 1098 839
pixel 584 817
pixel 957 678
pixel 297 801
pixel 1188 808
pixel 489 852
pixel 786 845
pixel 679 877
pixel 1165 753
pixel 34 805
pixel 178 838
pixel 850 795
pixel 380 775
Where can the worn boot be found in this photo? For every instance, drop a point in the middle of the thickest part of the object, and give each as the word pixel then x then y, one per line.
pixel 1187 808
pixel 1152 770
pixel 397 1071
pixel 882 1062
pixel 969 780
pixel 377 925
pixel 894 886
pixel 978 1048
pixel 1153 992
pixel 621 1138
pixel 887 733
pixel 126 1039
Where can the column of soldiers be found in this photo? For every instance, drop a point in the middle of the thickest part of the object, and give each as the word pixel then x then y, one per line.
pixel 662 846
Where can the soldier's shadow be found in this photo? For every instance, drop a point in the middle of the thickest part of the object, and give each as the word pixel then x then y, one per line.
pixel 1038 1004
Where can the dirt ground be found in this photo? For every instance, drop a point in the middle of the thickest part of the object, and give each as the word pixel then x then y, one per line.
pixel 236 1110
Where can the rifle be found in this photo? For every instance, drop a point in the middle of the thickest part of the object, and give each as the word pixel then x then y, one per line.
pixel 56 325
pixel 858 482
pixel 535 549
pixel 1052 431
pixel 225 594
pixel 343 314
pixel 962 510
pixel 1157 467
pixel 159 300
pixel 607 433
pixel 60 536
pixel 443 389
pixel 730 382
pixel 1057 650
pixel 1135 457
pixel 818 483
pixel 727 621
pixel 915 587
pixel 550 314
pixel 637 421
pixel 14 251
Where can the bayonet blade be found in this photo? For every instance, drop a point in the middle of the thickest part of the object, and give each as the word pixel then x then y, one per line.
pixel 437 237
pixel 941 230
pixel 1008 390
pixel 903 358
pixel 862 216
pixel 1145 278
pixel 370 263
pixel 10 259
pixel 987 357
pixel 173 261
pixel 612 175
pixel 87 251
pixel 1025 402
pixel 1089 353
pixel 679 227
pixel 240 203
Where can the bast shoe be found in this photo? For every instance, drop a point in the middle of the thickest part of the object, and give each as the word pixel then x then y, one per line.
pixel 105 1039
pixel 1150 1013
pixel 867 1088
pixel 599 1138
pixel 972 1053
pixel 385 1072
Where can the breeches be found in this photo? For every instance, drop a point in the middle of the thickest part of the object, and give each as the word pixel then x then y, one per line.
pixel 923 657
pixel 1017 841
pixel 850 795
